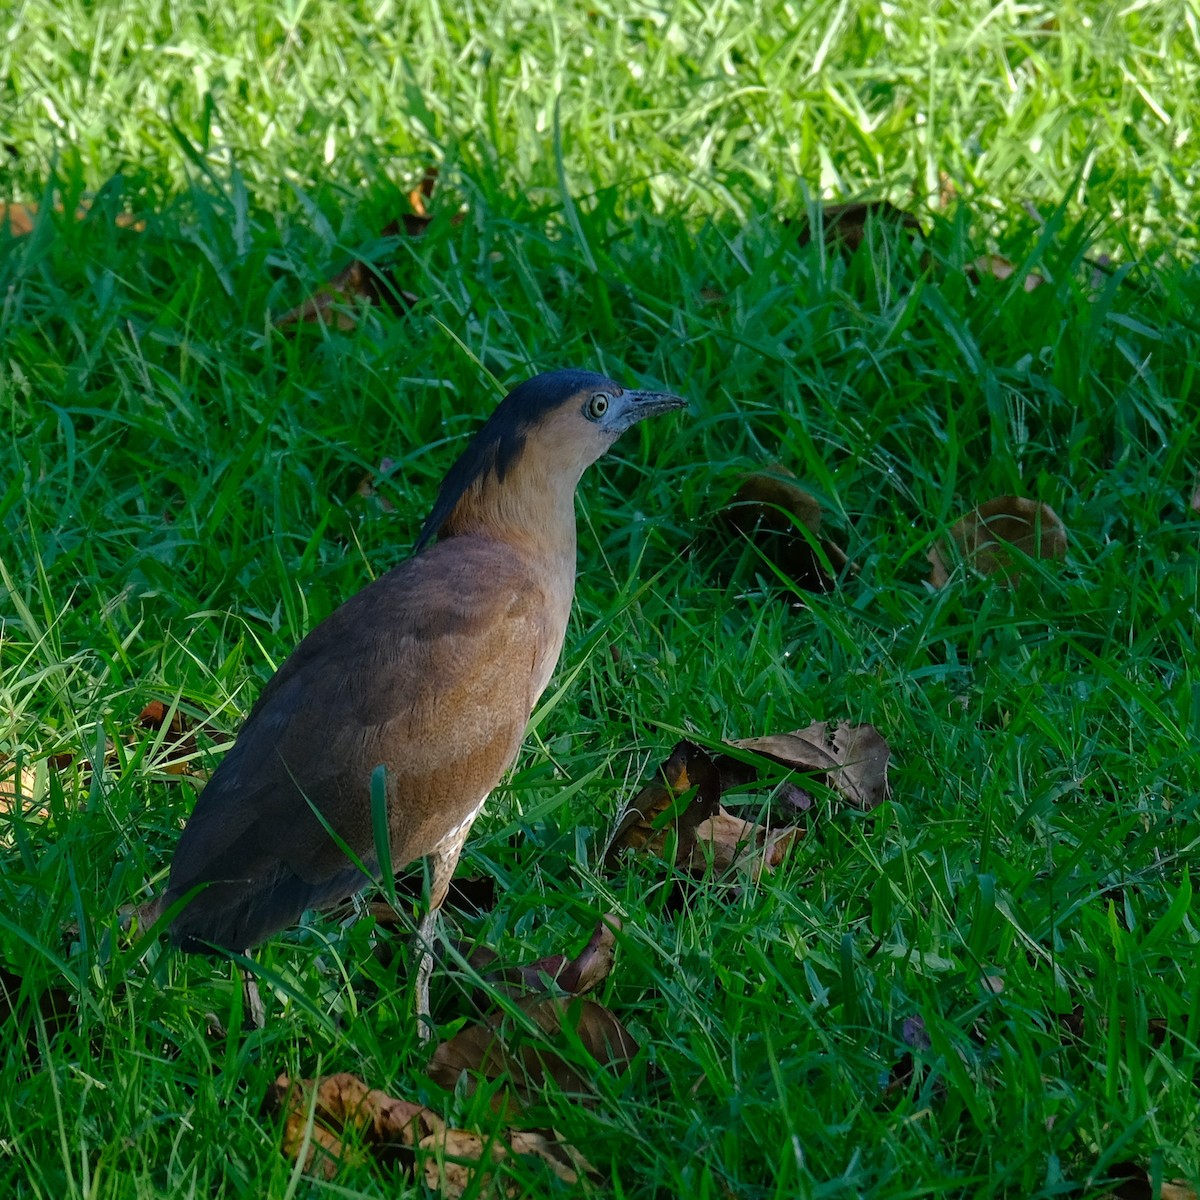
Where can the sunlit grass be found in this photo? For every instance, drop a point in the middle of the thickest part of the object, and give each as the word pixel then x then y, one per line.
pixel 179 504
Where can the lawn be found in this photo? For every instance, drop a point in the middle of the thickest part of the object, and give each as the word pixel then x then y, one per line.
pixel 990 983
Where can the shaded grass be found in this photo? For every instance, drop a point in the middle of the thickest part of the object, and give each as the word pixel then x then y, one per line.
pixel 178 506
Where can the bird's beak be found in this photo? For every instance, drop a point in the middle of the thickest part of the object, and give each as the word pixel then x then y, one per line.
pixel 639 405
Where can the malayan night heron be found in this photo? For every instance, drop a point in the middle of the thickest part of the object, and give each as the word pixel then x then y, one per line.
pixel 432 671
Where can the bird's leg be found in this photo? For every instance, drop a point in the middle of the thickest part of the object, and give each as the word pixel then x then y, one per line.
pixel 443 860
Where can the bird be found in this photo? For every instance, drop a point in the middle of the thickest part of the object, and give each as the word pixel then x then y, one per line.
pixel 431 672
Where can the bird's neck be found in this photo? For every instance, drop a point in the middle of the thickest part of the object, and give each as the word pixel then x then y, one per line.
pixel 532 511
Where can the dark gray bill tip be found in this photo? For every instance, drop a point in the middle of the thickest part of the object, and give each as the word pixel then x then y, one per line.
pixel 650 404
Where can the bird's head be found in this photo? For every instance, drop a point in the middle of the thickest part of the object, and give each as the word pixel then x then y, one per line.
pixel 550 428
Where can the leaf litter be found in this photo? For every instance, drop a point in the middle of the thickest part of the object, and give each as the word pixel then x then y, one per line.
pixel 997 537
pixel 683 801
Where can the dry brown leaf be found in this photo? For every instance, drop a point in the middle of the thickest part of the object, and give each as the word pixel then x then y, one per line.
pixel 52 1003
pixel 845 225
pixel 1135 1184
pixel 20 219
pixel 178 743
pixel 29 782
pixel 500 1046
pixel 346 1121
pixel 338 302
pixel 853 758
pixel 556 972
pixel 19 786
pixel 646 820
pixel 367 490
pixel 592 965
pixel 334 302
pixel 996 266
pixel 770 507
pixel 417 200
pixel 1176 1189
pixel 986 537
pixel 453 1158
pixel 732 842
pixel 344 1104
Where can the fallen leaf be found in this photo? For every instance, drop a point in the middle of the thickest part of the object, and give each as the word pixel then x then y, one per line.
pixel 846 225
pixel 555 972
pixel 453 1159
pixel 336 302
pixel 343 1104
pixel 20 219
pixel 986 537
pixel 19 787
pixel 417 200
pixel 853 758
pixel 178 741
pixel 502 1046
pixel 648 819
pixel 771 509
pixel 732 842
pixel 592 965
pixel 1133 1182
pixel 996 266
pixel 52 1003
pixel 343 1121
pixel 367 490
pixel 795 797
pixel 333 302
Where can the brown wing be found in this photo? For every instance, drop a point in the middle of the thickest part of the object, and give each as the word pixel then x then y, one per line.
pixel 430 671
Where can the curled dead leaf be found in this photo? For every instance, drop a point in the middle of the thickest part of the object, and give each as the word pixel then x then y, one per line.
pixel 853 758
pixel 592 965
pixel 344 1110
pixel 52 1004
pixel 1131 1181
pixel 986 537
pixel 338 1120
pixel 502 1045
pixel 18 219
pixel 334 302
pixel 180 751
pixel 845 225
pixel 996 266
pixel 556 972
pixel 367 490
pixel 339 301
pixel 650 816
pixel 21 786
pixel 732 842
pixel 773 510
pixel 453 1159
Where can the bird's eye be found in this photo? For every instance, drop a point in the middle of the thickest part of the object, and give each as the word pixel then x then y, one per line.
pixel 597 406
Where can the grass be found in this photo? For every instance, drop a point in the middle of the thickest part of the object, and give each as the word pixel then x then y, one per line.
pixel 178 506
